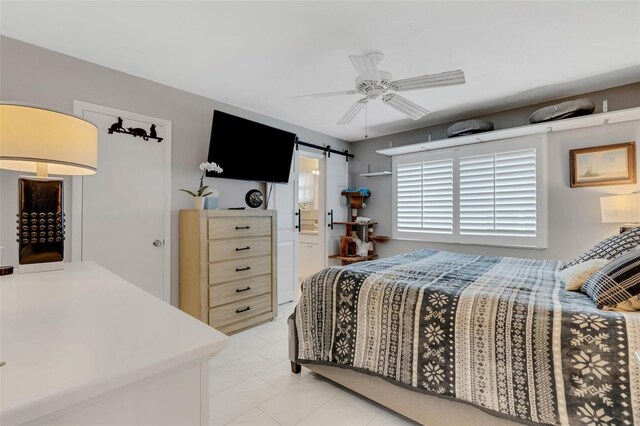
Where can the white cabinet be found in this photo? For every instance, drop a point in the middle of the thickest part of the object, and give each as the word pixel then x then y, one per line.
pixel 311 256
pixel 82 346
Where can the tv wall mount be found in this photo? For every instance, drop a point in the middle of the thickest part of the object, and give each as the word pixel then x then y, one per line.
pixel 117 127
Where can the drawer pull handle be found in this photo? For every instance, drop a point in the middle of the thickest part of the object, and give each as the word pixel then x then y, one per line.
pixel 243 269
pixel 243 310
pixel 243 248
pixel 240 290
pixel 243 227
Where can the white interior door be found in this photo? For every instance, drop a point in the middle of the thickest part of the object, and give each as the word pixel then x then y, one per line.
pixel 312 254
pixel 337 179
pixel 284 199
pixel 125 205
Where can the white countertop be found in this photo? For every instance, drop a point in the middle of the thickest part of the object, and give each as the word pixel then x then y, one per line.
pixel 67 336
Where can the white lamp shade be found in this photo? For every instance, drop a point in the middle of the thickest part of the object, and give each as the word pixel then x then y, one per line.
pixel 620 208
pixel 68 145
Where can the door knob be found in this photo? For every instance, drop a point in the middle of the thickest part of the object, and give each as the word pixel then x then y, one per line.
pixel 157 243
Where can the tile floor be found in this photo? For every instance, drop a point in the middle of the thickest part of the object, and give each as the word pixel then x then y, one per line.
pixel 251 384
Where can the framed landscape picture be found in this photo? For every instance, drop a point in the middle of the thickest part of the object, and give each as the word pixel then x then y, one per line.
pixel 603 165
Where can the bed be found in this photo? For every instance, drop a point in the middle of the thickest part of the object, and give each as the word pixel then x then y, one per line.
pixel 449 338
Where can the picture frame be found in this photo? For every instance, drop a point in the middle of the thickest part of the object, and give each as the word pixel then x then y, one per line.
pixel 603 165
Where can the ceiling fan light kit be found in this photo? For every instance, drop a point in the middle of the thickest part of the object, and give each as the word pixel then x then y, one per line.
pixel 373 83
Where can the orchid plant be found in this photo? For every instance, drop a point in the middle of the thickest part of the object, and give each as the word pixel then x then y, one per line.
pixel 205 167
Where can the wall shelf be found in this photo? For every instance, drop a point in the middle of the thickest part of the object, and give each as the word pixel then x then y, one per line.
pixel 604 118
pixel 353 259
pixel 371 174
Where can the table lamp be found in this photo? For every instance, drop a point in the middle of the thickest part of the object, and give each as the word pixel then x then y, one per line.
pixel 44 142
pixel 621 209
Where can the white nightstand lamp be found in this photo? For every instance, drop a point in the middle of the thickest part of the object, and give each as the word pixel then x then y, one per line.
pixel 44 142
pixel 621 209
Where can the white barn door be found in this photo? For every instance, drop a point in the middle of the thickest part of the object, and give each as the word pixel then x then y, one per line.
pixel 125 207
pixel 337 179
pixel 284 199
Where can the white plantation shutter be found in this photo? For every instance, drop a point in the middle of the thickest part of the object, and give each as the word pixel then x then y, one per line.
pixel 424 197
pixel 437 196
pixel 477 184
pixel 498 194
pixel 490 193
pixel 409 197
pixel 516 193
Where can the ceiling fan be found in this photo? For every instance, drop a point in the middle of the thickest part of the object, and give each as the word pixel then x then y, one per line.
pixel 373 83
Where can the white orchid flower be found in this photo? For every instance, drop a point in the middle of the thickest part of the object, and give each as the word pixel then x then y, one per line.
pixel 210 167
pixel 202 190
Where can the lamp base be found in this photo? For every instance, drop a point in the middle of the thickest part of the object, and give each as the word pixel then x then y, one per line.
pixel 40 224
pixel 40 267
pixel 626 227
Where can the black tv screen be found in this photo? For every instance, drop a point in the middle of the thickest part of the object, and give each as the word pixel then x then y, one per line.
pixel 247 150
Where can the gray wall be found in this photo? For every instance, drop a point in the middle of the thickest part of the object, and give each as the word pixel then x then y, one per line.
pixel 574 213
pixel 38 76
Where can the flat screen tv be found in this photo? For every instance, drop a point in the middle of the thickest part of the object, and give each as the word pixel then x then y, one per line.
pixel 247 150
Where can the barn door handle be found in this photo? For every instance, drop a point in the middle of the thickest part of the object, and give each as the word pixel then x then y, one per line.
pixel 298 226
pixel 330 214
pixel 243 227
pixel 243 269
pixel 243 248
pixel 243 310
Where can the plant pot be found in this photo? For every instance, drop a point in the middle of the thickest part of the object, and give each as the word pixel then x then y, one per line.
pixel 211 203
pixel 198 203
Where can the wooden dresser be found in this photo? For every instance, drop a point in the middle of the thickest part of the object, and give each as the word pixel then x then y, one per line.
pixel 228 267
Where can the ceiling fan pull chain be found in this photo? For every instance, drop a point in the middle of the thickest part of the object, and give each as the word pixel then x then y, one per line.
pixel 366 120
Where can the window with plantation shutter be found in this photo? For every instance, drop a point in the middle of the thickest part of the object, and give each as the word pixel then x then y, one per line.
pixel 425 197
pixel 490 193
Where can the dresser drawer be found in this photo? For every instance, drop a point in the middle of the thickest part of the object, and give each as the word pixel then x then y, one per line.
pixel 230 270
pixel 238 311
pixel 244 324
pixel 238 290
pixel 238 248
pixel 232 227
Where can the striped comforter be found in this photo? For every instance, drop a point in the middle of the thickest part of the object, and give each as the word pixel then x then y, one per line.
pixel 496 332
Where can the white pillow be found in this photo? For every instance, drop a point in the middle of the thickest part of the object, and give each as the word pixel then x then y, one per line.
pixel 574 276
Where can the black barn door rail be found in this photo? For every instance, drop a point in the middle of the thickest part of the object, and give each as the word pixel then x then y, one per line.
pixel 327 149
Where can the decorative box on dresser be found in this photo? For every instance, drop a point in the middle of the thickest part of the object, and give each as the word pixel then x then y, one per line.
pixel 228 267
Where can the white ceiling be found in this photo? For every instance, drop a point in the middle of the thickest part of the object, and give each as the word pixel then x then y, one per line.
pixel 258 55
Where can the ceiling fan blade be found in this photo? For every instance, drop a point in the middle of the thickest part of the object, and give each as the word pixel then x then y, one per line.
pixel 448 78
pixel 352 111
pixel 324 95
pixel 405 106
pixel 366 66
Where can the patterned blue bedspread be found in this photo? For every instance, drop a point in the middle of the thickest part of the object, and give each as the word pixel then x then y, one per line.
pixel 496 332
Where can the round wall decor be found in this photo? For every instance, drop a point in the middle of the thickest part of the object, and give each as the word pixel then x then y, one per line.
pixel 469 127
pixel 576 108
pixel 254 198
